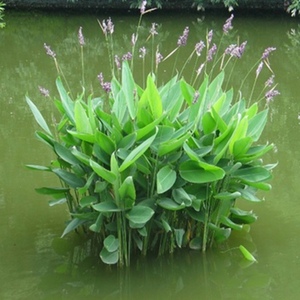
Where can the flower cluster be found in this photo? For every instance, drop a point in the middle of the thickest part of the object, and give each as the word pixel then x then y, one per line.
pixel 80 37
pixel 105 85
pixel 182 40
pixel 235 50
pixel 199 47
pixel 228 25
pixel 107 26
pixel 49 51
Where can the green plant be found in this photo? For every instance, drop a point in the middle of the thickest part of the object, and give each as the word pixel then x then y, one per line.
pixel 2 23
pixel 158 167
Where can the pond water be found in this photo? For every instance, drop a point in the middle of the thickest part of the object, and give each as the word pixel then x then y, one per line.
pixel 35 263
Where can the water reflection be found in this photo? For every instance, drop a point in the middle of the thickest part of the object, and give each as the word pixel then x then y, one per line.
pixel 185 274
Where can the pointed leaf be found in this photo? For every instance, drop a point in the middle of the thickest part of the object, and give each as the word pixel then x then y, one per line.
pixel 38 116
pixel 140 214
pixel 102 172
pixel 165 179
pixel 136 153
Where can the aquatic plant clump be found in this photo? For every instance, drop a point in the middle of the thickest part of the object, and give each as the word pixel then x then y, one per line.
pixel 160 166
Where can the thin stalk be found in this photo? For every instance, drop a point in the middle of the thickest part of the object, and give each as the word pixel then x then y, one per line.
pixel 82 67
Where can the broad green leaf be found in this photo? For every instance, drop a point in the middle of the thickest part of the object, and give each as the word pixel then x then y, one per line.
pixel 81 157
pixel 220 234
pixel 109 258
pixel 239 132
pixel 136 153
pixel 38 168
pixel 170 204
pixel 111 244
pixel 209 124
pixel 65 154
pixel 51 191
pixel 252 110
pixel 45 138
pixel 187 91
pixel 220 123
pixel 38 116
pixel 227 195
pixel 227 222
pixel 142 132
pixel 257 125
pixel 181 196
pixel 247 254
pixel 128 86
pixel 127 192
pixel 154 99
pixel 197 172
pixel 75 223
pixel 69 178
pixel 195 154
pixel 140 214
pixel 248 193
pixel 87 200
pixel 90 138
pixel 127 141
pixel 173 144
pixel 241 146
pixel 259 185
pixel 82 121
pixel 255 153
pixel 106 206
pixel 66 101
pixel 165 223
pixel 96 227
pixel 102 172
pixel 179 233
pixel 105 142
pixel 252 174
pixel 241 216
pixel 165 179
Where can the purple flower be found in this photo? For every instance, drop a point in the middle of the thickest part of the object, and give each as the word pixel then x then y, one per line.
pixel 182 40
pixel 107 26
pixel 236 51
pixel 153 29
pixel 211 52
pixel 142 52
pixel 228 26
pixel 271 94
pixel 127 56
pixel 199 47
pixel 105 85
pixel 270 81
pixel 44 91
pixel 259 68
pixel 49 51
pixel 143 7
pixel 80 37
pixel 267 52
pixel 158 58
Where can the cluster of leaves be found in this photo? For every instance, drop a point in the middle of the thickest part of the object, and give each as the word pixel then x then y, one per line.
pixel 156 167
pixel 2 23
